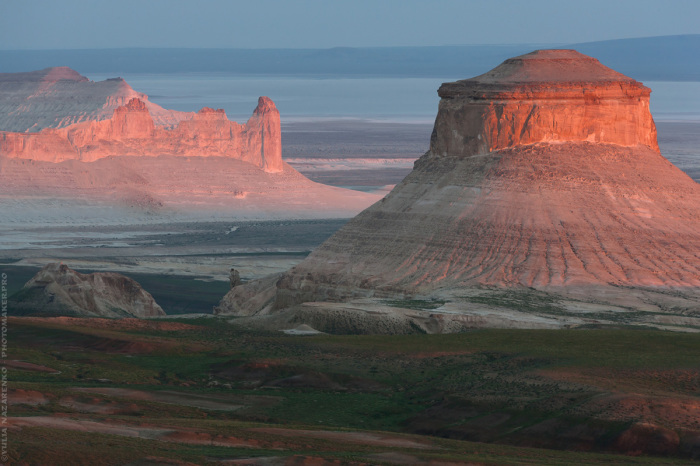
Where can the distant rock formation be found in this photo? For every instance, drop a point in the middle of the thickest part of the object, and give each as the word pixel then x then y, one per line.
pixel 544 173
pixel 56 114
pixel 132 132
pixel 67 140
pixel 58 290
pixel 59 97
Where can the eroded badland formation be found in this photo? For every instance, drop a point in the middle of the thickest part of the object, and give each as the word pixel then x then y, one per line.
pixel 543 202
pixel 59 97
pixel 65 137
pixel 58 290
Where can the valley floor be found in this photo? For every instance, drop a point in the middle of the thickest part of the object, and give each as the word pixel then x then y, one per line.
pixel 89 391
pixel 185 266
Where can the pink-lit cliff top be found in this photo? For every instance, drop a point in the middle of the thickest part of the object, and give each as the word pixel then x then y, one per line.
pixel 552 72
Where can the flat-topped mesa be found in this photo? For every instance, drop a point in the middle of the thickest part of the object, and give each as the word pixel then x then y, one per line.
pixel 132 132
pixel 568 192
pixel 542 96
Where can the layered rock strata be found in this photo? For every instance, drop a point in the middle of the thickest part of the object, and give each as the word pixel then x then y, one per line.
pixel 58 290
pixel 132 132
pixel 75 150
pixel 544 96
pixel 59 97
pixel 543 173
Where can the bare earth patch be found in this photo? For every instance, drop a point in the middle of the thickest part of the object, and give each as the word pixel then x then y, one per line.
pixel 26 397
pixel 210 402
pixel 167 434
pixel 363 438
pixel 114 324
pixel 97 405
pixel 28 366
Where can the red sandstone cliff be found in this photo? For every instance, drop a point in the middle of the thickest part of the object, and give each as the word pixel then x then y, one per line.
pixel 547 95
pixel 131 131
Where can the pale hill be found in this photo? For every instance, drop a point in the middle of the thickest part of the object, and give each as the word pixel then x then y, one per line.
pixel 58 97
pixel 58 290
pixel 164 188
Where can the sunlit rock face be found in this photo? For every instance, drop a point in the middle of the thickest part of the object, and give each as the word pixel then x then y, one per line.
pixel 58 290
pixel 547 95
pixel 544 173
pixel 103 149
pixel 132 132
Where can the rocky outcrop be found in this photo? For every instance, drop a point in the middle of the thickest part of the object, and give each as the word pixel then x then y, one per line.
pixel 58 290
pixel 103 152
pixel 59 97
pixel 547 95
pixel 132 132
pixel 542 173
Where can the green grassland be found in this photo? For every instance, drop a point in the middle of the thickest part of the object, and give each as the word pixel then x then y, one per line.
pixel 604 396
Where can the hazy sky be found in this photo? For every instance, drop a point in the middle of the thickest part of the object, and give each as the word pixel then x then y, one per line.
pixel 48 24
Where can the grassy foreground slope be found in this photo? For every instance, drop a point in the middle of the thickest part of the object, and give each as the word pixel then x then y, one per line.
pixel 98 391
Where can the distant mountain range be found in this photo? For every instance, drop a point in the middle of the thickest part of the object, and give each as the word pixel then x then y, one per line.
pixel 671 58
pixel 665 58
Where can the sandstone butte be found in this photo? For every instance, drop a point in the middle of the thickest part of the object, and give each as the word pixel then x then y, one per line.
pixel 542 173
pixel 58 290
pixel 64 136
